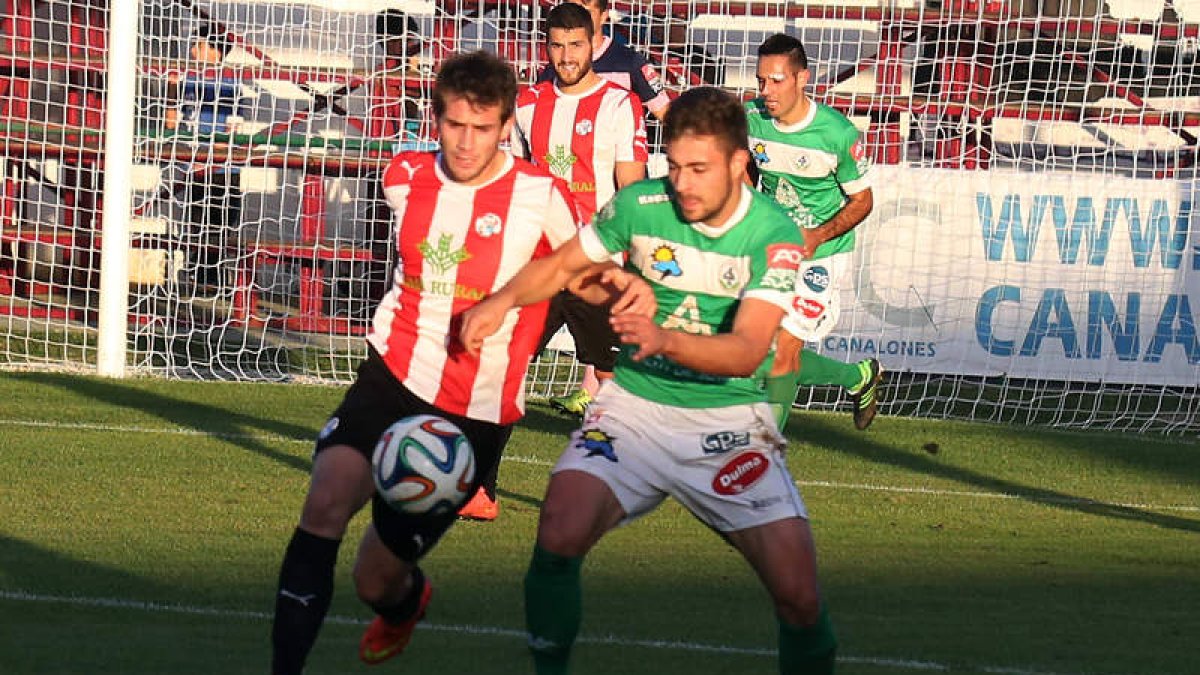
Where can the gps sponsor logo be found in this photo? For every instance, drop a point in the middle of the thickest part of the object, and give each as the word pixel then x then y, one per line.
pixel 740 473
pixel 785 256
pixel 724 441
pixel 816 278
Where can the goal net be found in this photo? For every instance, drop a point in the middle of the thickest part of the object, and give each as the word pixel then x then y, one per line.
pixel 1033 255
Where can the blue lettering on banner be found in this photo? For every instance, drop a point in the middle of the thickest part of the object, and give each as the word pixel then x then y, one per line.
pixel 1158 232
pixel 1052 319
pixel 871 346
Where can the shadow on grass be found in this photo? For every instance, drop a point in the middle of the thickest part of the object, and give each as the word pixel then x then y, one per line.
pixel 849 442
pixel 227 423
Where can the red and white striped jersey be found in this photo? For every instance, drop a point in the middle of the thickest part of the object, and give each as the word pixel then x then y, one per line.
pixel 455 245
pixel 581 137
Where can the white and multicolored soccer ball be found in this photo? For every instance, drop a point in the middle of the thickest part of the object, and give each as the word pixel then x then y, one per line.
pixel 423 464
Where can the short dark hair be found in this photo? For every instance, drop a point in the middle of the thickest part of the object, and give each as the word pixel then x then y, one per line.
pixel 481 77
pixel 781 44
pixel 393 23
pixel 215 37
pixel 707 111
pixel 569 16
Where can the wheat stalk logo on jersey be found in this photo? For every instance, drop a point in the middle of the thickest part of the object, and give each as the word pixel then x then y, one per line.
pixel 442 259
pixel 560 161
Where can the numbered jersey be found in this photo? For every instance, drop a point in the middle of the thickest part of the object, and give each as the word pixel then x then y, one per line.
pixel 809 167
pixel 700 274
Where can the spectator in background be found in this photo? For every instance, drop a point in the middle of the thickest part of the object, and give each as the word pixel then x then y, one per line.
pixel 592 134
pixel 400 37
pixel 208 105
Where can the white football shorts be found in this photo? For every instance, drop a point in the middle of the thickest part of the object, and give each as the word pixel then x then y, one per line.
pixel 815 307
pixel 725 465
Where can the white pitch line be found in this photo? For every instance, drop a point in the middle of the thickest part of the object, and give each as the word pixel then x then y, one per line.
pixel 995 495
pixel 491 631
pixel 520 459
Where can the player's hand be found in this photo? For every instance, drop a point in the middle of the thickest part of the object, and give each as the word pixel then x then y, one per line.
pixel 481 322
pixel 811 241
pixel 635 295
pixel 636 329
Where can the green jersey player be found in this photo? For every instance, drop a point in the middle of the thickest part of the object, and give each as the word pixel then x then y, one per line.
pixel 811 160
pixel 684 416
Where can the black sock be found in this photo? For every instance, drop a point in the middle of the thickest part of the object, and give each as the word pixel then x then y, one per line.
pixel 407 609
pixel 305 591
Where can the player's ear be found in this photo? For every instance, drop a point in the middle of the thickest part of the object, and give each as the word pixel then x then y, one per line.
pixel 739 159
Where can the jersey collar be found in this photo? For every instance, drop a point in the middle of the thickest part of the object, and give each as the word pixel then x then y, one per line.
pixel 744 199
pixel 803 123
pixel 600 83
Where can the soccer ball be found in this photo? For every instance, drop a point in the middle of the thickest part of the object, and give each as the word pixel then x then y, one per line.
pixel 423 464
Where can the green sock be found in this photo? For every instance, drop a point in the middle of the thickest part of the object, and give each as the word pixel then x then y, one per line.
pixel 781 395
pixel 553 609
pixel 807 650
pixel 816 370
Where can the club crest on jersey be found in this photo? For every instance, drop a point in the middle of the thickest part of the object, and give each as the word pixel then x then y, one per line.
pixel 596 443
pixel 730 276
pixel 663 261
pixel 583 127
pixel 488 224
pixel 759 150
pixel 441 258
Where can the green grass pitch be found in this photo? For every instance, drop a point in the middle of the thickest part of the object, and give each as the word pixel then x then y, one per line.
pixel 142 523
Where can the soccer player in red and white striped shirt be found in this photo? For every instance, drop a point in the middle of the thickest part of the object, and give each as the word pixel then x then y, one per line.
pixel 591 133
pixel 466 220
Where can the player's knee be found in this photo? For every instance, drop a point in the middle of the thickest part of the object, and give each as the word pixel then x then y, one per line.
pixel 797 604
pixel 379 589
pixel 558 534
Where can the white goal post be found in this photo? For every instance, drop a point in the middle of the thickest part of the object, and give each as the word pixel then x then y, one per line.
pixel 1033 255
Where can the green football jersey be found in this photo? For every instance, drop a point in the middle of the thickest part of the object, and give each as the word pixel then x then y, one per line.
pixel 809 167
pixel 699 275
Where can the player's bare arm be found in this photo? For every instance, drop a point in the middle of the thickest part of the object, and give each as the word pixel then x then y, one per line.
pixel 627 173
pixel 856 209
pixel 623 291
pixel 734 354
